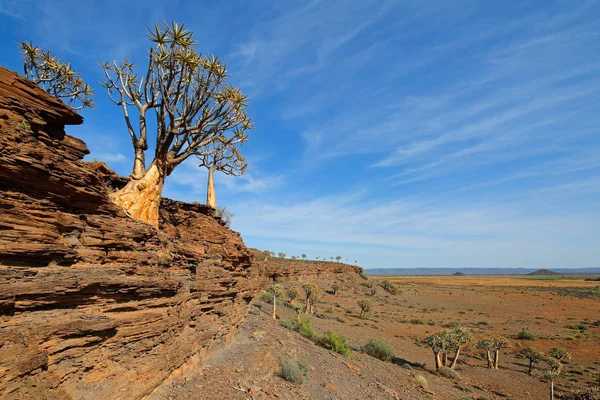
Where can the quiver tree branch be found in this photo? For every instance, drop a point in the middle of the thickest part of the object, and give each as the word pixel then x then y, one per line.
pixel 55 77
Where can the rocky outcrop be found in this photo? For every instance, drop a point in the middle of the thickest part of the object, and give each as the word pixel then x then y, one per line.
pixel 94 304
pixel 286 270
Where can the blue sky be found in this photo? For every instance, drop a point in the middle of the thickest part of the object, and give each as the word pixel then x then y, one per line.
pixel 393 133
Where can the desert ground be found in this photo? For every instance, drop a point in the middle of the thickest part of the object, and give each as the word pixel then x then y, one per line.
pixel 558 312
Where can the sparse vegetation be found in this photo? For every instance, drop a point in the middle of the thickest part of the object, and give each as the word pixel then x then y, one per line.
pixel 421 381
pixel 448 373
pixel 225 215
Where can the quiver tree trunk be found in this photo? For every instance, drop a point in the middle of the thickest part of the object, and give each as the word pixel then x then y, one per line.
pixel 445 359
pixel 307 309
pixel 530 370
pixel 496 358
pixel 489 359
pixel 274 306
pixel 140 198
pixel 437 360
pixel 211 197
pixel 455 358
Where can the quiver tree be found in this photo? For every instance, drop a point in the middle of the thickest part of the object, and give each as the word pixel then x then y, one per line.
pixel 221 156
pixel 335 288
pixel 55 77
pixel 552 371
pixel 532 355
pixel 459 338
pixel 281 255
pixel 195 108
pixel 365 306
pixel 292 293
pixel 487 345
pixel 440 343
pixel 437 344
pixel 311 292
pixel 275 290
pixel 498 343
pixel 559 353
pixel 303 256
pixel 267 254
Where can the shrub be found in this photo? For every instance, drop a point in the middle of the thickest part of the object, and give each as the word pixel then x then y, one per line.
pixel 417 321
pixel 421 381
pixel 292 370
pixel 448 373
pixel 526 335
pixel 389 287
pixel 379 349
pixel 267 297
pixel 300 325
pixel 334 342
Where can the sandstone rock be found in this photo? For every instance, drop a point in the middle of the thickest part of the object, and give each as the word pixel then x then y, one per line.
pixel 94 304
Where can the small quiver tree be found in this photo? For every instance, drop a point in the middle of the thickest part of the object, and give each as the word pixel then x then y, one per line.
pixel 559 353
pixel 267 254
pixel 365 306
pixel 487 345
pixel 222 155
pixel 335 288
pixel 553 370
pixel 436 342
pixel 292 293
pixel 275 290
pixel 459 338
pixel 55 77
pixel 195 108
pixel 311 292
pixel 532 355
pixel 499 343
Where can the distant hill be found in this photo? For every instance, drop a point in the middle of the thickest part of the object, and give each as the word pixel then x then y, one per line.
pixel 459 274
pixel 476 271
pixel 543 272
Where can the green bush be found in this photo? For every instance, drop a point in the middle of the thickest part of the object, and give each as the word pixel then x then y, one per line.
pixel 334 342
pixel 267 297
pixel 300 325
pixel 292 370
pixel 379 349
pixel 526 335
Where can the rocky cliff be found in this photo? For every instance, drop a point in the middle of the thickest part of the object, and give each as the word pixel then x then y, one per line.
pixel 286 270
pixel 94 304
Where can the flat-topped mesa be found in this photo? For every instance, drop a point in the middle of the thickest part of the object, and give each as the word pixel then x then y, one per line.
pixel 95 304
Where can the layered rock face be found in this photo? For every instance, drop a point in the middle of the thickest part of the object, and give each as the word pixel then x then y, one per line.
pixel 275 269
pixel 94 304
